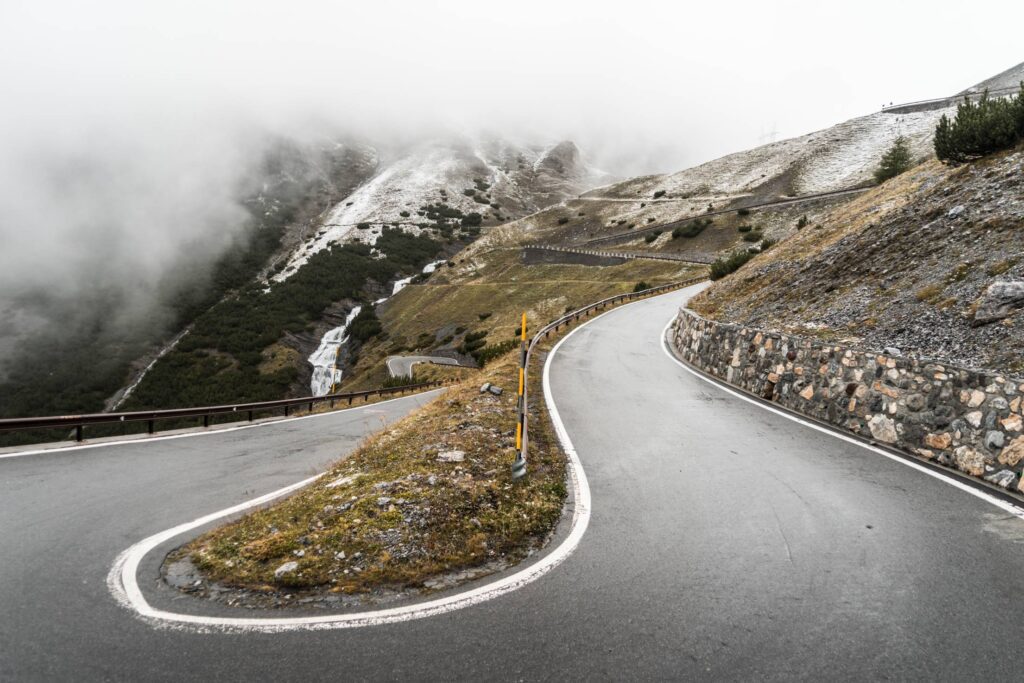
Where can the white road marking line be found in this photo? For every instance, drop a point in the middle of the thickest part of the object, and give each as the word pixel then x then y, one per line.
pixel 123 585
pixel 949 479
pixel 205 432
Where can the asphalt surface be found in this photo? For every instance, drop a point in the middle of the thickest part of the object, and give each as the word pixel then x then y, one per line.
pixel 401 366
pixel 726 542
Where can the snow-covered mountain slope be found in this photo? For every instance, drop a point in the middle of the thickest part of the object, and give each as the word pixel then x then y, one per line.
pixel 1011 78
pixel 497 179
pixel 835 158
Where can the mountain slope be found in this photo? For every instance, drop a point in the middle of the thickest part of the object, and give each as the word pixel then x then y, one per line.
pixel 84 351
pixel 497 179
pixel 908 265
pixel 411 207
pixel 835 158
pixel 1011 78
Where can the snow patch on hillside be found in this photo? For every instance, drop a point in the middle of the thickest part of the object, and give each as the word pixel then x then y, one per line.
pixel 836 158
pixel 520 178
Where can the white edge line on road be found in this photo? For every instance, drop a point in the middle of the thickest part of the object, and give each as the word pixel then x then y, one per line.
pixel 205 432
pixel 952 481
pixel 123 584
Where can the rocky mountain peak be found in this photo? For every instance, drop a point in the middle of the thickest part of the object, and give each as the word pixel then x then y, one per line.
pixel 563 159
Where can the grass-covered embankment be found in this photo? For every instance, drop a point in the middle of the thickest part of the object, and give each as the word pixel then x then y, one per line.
pixel 224 358
pixel 480 298
pixel 429 496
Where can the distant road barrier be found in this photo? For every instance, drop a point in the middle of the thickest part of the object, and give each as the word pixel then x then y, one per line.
pixel 519 466
pixel 150 417
pixel 696 259
pixel 943 102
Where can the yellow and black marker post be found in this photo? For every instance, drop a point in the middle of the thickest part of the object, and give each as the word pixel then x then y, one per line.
pixel 519 466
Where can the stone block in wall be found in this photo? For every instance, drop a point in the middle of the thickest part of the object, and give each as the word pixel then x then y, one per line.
pixel 960 417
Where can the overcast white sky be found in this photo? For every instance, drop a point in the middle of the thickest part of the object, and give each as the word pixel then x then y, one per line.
pixel 126 124
pixel 644 85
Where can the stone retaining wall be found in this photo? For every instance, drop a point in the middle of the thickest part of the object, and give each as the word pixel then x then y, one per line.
pixel 961 418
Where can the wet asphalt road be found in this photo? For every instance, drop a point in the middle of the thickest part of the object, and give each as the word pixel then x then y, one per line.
pixel 726 542
pixel 401 366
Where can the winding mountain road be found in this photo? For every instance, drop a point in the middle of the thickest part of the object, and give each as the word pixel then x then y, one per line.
pixel 401 366
pixel 725 541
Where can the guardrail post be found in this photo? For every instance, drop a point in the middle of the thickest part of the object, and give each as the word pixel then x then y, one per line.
pixel 286 411
pixel 78 432
pixel 206 420
pixel 250 416
pixel 150 426
pixel 519 465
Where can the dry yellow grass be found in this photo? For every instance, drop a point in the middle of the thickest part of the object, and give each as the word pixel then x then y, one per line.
pixel 494 283
pixel 805 245
pixel 396 513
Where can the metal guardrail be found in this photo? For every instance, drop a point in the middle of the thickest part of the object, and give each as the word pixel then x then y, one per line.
pixel 703 261
pixel 79 422
pixel 519 466
pixel 954 99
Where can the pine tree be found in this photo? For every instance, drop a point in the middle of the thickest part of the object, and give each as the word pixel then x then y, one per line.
pixel 944 140
pixel 980 128
pixel 894 161
pixel 1019 112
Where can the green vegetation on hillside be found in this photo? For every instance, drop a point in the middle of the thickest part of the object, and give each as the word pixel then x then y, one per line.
pixel 980 128
pixel 729 264
pixel 219 361
pixel 692 229
pixel 77 370
pixel 895 161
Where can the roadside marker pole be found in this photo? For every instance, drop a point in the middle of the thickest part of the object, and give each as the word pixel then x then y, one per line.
pixel 519 466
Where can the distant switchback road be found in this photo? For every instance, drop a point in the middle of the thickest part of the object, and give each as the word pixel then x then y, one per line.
pixel 725 542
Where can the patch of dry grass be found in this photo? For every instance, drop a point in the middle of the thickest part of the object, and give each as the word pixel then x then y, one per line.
pixel 743 289
pixel 493 282
pixel 397 512
pixel 276 357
